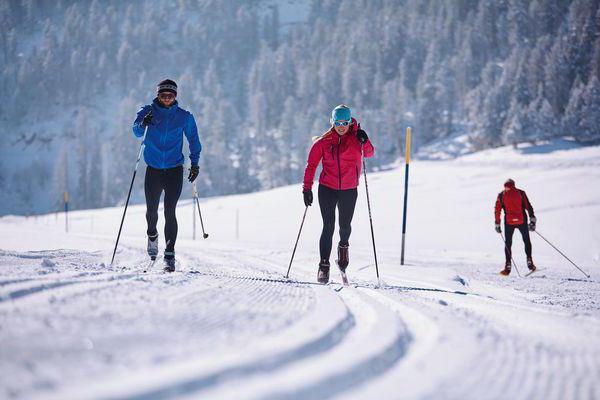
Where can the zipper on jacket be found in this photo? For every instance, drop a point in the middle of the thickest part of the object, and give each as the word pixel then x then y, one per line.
pixel 164 153
pixel 338 160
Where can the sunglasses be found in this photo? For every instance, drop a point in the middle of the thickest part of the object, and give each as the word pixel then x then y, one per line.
pixel 166 96
pixel 341 123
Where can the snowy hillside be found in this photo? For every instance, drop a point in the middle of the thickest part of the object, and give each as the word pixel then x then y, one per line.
pixel 74 73
pixel 228 324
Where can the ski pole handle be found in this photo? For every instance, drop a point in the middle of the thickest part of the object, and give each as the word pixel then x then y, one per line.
pixel 194 190
pixel 139 157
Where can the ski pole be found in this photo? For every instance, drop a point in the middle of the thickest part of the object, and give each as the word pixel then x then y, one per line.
pixel 562 254
pixel 296 245
pixel 137 163
pixel 204 234
pixel 510 252
pixel 369 207
pixel 194 195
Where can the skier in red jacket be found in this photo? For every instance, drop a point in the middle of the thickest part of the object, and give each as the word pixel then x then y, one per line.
pixel 339 150
pixel 514 202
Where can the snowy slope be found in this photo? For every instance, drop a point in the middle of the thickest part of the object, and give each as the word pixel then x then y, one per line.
pixel 228 324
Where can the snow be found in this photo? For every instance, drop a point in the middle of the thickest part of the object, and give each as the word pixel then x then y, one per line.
pixel 228 324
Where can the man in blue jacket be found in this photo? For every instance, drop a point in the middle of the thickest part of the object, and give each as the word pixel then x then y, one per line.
pixel 167 123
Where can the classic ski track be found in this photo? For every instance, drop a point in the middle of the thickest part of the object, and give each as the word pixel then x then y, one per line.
pixel 60 282
pixel 15 281
pixel 308 350
pixel 427 339
pixel 271 362
pixel 518 367
pixel 185 287
pixel 321 337
pixel 368 367
pixel 69 283
pixel 350 370
pixel 23 288
pixel 182 287
pixel 23 283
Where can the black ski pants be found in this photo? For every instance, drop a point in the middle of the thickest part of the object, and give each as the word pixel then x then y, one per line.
pixel 170 181
pixel 510 229
pixel 345 200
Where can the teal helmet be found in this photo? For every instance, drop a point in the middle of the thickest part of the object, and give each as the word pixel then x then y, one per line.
pixel 341 113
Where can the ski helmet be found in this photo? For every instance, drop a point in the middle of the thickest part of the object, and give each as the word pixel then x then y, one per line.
pixel 341 113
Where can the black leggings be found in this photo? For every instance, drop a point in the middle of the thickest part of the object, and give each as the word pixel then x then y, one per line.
pixel 170 180
pixel 345 200
pixel 510 229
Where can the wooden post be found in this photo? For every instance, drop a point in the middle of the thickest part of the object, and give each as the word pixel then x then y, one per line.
pixel 66 199
pixel 406 169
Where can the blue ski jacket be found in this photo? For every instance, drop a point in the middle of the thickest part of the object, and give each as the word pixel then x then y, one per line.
pixel 164 139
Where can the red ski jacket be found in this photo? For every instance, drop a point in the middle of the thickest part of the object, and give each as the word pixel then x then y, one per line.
pixel 341 159
pixel 514 202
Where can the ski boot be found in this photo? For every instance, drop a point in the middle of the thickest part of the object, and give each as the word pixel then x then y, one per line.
pixel 343 257
pixel 506 270
pixel 323 274
pixel 169 261
pixel 530 264
pixel 153 246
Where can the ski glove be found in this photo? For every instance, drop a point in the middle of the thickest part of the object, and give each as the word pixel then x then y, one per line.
pixel 194 170
pixel 498 228
pixel 532 224
pixel 147 119
pixel 361 135
pixel 308 197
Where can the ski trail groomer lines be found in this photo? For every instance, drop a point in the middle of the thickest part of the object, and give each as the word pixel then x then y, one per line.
pixel 167 123
pixel 514 202
pixel 339 150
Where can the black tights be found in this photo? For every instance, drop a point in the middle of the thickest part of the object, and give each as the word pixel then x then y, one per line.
pixel 510 229
pixel 170 180
pixel 345 200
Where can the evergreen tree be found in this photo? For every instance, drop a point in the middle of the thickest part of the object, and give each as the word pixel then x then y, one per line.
pixel 502 71
pixel 95 173
pixel 82 131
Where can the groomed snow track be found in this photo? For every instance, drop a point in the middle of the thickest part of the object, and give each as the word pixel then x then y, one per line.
pixel 230 327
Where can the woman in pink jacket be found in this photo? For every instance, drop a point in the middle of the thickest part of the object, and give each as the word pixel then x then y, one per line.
pixel 339 150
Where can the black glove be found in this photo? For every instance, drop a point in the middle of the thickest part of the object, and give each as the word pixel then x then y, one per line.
pixel 147 119
pixel 498 228
pixel 532 224
pixel 308 197
pixel 194 170
pixel 361 135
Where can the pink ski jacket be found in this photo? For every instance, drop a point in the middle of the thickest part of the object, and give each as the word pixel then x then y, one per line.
pixel 341 160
